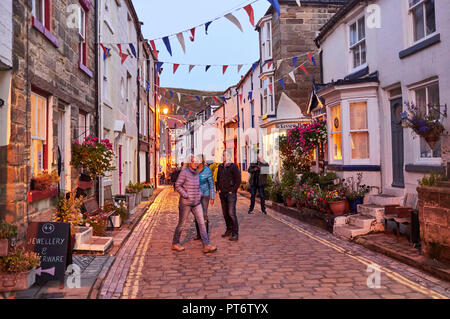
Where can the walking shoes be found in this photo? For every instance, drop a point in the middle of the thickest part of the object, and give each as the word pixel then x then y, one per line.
pixel 209 249
pixel 234 238
pixel 177 247
pixel 227 234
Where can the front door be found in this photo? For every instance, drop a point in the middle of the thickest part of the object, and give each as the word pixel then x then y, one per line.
pixel 397 143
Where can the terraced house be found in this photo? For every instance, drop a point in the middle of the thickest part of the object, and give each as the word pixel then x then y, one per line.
pixel 48 83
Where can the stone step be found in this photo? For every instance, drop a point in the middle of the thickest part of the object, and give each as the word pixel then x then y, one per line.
pixel 383 200
pixel 371 210
pixel 362 221
pixel 97 244
pixel 349 231
pixel 82 236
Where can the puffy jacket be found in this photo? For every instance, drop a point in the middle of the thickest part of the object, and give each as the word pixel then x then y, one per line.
pixel 207 182
pixel 188 185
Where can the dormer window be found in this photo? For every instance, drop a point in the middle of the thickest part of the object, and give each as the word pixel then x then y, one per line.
pixel 266 40
pixel 358 43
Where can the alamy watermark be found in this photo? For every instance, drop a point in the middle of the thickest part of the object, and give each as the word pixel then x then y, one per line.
pixel 374 279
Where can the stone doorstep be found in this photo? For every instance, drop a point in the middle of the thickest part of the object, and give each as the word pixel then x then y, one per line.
pixel 372 210
pixel 383 200
pixel 97 244
pixel 419 261
pixel 361 221
pixel 349 231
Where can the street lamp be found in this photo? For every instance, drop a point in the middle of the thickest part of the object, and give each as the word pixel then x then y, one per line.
pixel 166 110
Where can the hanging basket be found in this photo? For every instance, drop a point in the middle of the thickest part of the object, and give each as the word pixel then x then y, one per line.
pixel 431 138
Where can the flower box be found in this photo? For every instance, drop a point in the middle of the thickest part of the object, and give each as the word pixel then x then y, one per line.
pixel 147 192
pixel 116 221
pixel 131 203
pixel 138 198
pixel 4 247
pixel 34 196
pixel 17 281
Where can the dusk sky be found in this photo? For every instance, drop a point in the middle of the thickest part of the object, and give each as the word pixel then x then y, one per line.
pixel 224 44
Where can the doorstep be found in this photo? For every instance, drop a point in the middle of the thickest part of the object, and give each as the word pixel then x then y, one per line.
pixel 400 249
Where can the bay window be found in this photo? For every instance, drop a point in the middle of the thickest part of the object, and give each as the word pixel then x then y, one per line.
pixel 359 130
pixel 422 13
pixel 336 132
pixel 427 100
pixel 38 133
pixel 358 43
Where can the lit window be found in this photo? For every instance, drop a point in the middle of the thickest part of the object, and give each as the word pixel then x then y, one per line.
pixel 358 42
pixel 268 98
pixel 336 132
pixel 359 131
pixel 38 133
pixel 427 99
pixel 423 18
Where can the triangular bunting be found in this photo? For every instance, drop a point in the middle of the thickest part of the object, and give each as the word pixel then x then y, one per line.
pixel 207 68
pixel 192 37
pixel 234 20
pixel 175 67
pixel 158 66
pixel 269 64
pixel 282 83
pixel 155 52
pixel 311 58
pixel 251 14
pixel 179 96
pixel 292 75
pixel 123 56
pixel 224 99
pixel 276 6
pixel 271 88
pixel 254 66
pixel 250 95
pixel 133 49
pixel 167 44
pixel 215 99
pixel 106 52
pixel 224 69
pixel 279 63
pixel 207 26
pixel 198 98
pixel 171 94
pixel 294 61
pixel 239 67
pixel 181 40
pixel 191 67
pixel 303 68
pixel 298 3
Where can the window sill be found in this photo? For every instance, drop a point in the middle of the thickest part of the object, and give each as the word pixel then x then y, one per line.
pixel 34 196
pixel 358 72
pixel 42 29
pixel 354 168
pixel 85 69
pixel 424 169
pixel 420 46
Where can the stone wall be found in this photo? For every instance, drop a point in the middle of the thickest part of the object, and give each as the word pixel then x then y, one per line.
pixel 293 34
pixel 52 68
pixel 434 217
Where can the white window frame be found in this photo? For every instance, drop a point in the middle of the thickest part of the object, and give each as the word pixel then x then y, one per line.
pixel 331 158
pixel 82 32
pixel 416 142
pixel 347 104
pixel 268 108
pixel 411 22
pixel 266 40
pixel 41 19
pixel 42 139
pixel 358 44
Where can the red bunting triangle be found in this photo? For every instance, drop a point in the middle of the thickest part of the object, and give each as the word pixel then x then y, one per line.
pixel 215 99
pixel 193 35
pixel 269 64
pixel 310 56
pixel 303 68
pixel 152 43
pixel 225 67
pixel 188 95
pixel 175 67
pixel 250 13
pixel 271 88
pixel 123 56
pixel 240 97
pixel 163 91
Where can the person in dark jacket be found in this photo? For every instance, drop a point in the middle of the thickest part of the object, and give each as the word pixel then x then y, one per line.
pixel 228 182
pixel 175 174
pixel 258 181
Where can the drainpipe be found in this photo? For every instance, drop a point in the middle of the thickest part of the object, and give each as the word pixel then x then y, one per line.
pixel 99 88
pixel 138 113
pixel 239 131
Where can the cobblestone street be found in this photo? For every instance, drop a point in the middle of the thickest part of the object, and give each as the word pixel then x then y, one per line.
pixel 275 257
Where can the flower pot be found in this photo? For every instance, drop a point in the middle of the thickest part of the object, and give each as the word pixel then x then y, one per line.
pixel 116 221
pixel 337 208
pixel 131 203
pixel 354 204
pixel 290 202
pixel 17 281
pixel 147 192
pixel 4 246
pixel 138 198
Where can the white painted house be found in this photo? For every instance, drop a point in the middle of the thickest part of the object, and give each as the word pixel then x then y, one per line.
pixel 376 56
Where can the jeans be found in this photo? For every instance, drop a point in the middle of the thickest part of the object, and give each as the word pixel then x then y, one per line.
pixel 198 213
pixel 205 205
pixel 260 190
pixel 228 202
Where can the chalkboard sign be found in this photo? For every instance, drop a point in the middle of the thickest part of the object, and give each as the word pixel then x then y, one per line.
pixel 52 242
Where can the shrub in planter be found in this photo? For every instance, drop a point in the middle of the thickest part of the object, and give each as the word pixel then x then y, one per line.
pixel 309 178
pixel 288 196
pixel 98 224
pixel 44 181
pixel 17 270
pixel 7 231
pixel 299 194
pixel 355 192
pixel 68 210
pixel 148 190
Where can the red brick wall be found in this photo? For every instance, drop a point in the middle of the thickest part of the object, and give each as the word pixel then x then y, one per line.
pixel 434 217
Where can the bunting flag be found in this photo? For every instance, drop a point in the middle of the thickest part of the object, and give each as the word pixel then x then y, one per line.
pixel 303 68
pixel 269 64
pixel 224 69
pixel 207 26
pixel 158 66
pixel 198 98
pixel 191 67
pixel 171 94
pixel 106 51
pixel 319 102
pixel 294 61
pixel 189 96
pixel 178 107
pixel 239 67
pixel 155 52
pixel 298 2
pixel 215 99
pixel 251 14
pixel 179 96
pixel 240 97
pixel 271 88
pixel 148 86
pixel 276 6
pixel 167 44
pixel 207 68
pixel 181 40
pixel 234 20
pixel 175 67
pixel 250 95
pixel 192 37
pixel 224 99
pixel 282 83
pixel 189 114
pixel 254 66
pixel 311 58
pixel 279 63
pixel 133 49
pixel 292 75
pixel 123 56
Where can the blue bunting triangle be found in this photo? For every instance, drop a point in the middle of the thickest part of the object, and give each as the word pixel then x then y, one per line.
pixel 207 68
pixel 167 44
pixel 254 66
pixel 250 95
pixel 282 83
pixel 207 26
pixel 171 94
pixel 294 61
pixel 276 6
pixel 158 66
pixel 133 50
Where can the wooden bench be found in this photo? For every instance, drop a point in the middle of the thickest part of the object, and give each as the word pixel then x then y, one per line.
pixel 92 209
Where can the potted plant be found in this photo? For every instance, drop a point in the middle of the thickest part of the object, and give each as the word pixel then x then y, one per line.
pixel 147 192
pixel 130 193
pixel 299 195
pixel 355 191
pixel 68 210
pixel 139 187
pixel 17 270
pixel 428 126
pixel 336 200
pixel 288 196
pixel 98 223
pixel 7 231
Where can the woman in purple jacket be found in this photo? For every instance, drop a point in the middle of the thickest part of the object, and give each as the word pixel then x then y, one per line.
pixel 188 185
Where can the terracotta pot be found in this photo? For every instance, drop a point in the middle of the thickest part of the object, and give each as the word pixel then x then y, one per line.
pixel 290 202
pixel 338 208
pixel 4 246
pixel 17 281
